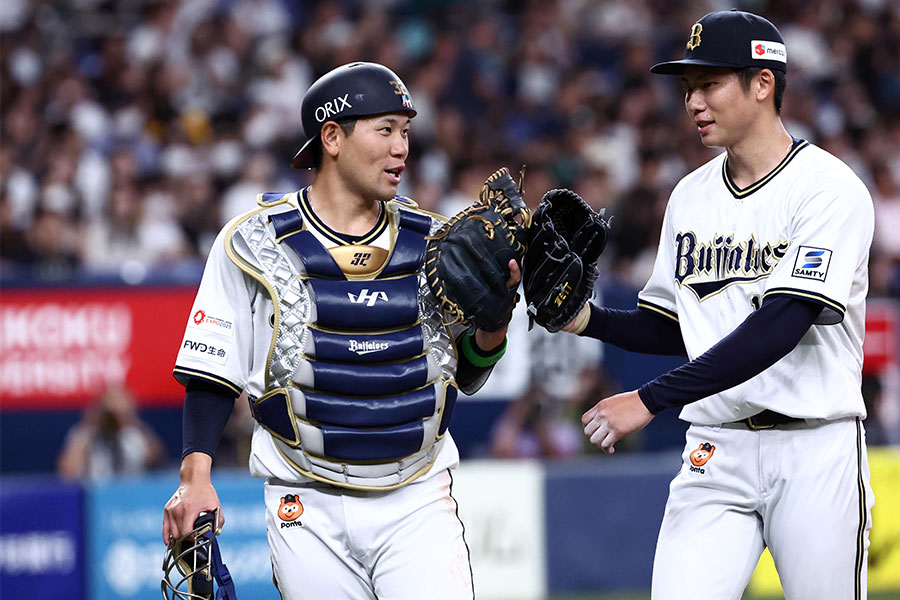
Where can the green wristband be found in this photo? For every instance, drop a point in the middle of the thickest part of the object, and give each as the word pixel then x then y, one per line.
pixel 477 359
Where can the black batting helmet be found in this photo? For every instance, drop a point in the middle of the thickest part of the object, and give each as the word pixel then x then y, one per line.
pixel 354 90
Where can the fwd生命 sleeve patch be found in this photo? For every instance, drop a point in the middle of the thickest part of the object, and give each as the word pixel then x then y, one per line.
pixel 205 347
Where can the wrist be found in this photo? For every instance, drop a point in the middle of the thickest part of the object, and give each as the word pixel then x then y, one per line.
pixel 581 320
pixel 196 468
pixel 489 342
pixel 473 352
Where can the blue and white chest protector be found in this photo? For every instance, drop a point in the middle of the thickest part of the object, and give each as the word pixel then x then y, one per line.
pixel 357 384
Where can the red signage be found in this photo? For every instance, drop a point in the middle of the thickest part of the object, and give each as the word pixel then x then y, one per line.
pixel 60 347
pixel 882 335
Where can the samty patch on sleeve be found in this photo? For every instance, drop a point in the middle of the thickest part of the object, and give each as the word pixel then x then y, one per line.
pixel 812 263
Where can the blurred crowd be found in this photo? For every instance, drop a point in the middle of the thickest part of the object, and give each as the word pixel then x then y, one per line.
pixel 132 130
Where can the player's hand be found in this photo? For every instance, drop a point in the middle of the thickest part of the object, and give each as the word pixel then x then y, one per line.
pixel 487 340
pixel 196 494
pixel 613 418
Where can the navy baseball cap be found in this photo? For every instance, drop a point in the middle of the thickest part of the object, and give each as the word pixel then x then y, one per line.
pixel 732 39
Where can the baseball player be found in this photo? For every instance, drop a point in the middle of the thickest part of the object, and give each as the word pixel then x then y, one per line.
pixel 760 280
pixel 316 304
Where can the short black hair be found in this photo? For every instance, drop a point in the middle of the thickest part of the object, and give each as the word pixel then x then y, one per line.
pixel 347 127
pixel 746 76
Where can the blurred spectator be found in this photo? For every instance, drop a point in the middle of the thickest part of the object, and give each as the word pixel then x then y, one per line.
pixel 129 233
pixel 536 425
pixel 886 244
pixel 256 175
pixel 110 439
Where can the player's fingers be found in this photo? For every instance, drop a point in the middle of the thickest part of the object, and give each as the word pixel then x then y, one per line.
pixel 221 521
pixel 171 531
pixel 592 426
pixel 600 434
pixel 588 415
pixel 607 444
pixel 515 275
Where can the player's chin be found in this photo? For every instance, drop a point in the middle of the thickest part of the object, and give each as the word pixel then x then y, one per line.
pixel 383 193
pixel 711 141
pixel 387 190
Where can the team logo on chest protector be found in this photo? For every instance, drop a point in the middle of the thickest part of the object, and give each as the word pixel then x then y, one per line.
pixel 707 268
pixel 701 456
pixel 366 297
pixel 290 510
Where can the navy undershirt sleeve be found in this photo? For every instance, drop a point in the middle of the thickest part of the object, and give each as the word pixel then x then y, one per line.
pixel 635 330
pixel 764 338
pixel 207 408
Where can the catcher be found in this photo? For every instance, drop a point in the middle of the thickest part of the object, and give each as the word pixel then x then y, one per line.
pixel 317 304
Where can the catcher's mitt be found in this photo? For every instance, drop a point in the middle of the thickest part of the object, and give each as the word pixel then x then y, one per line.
pixel 566 238
pixel 467 259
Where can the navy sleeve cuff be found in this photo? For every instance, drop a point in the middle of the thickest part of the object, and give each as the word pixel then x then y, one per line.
pixel 646 397
pixel 207 408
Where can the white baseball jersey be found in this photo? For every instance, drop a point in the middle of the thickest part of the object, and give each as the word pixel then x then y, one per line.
pixel 804 230
pixel 228 337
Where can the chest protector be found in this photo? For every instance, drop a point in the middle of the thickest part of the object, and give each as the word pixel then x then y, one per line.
pixel 359 379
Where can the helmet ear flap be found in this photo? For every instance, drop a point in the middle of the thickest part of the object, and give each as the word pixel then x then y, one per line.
pixel 188 569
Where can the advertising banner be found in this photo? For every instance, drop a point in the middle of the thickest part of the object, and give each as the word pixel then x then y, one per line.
pixel 59 347
pixel 603 516
pixel 41 540
pixel 502 507
pixel 125 549
pixel 882 343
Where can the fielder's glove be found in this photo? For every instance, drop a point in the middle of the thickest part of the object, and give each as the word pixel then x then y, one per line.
pixel 566 238
pixel 467 259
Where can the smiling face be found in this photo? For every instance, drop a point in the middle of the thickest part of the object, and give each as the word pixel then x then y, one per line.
pixel 722 110
pixel 372 158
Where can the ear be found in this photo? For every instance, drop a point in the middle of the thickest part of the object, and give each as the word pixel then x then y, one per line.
pixel 764 85
pixel 331 137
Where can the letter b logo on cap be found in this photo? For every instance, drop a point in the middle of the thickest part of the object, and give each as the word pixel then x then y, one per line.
pixel 694 40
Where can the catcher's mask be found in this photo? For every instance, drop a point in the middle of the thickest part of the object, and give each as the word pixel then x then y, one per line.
pixel 351 91
pixel 192 564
